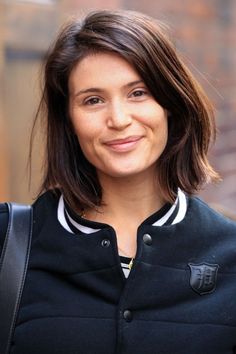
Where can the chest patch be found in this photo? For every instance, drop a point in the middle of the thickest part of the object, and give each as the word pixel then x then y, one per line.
pixel 203 277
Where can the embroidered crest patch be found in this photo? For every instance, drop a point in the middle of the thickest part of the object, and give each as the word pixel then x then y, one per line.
pixel 203 277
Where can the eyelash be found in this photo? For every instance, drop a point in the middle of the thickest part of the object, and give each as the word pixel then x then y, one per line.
pixel 90 101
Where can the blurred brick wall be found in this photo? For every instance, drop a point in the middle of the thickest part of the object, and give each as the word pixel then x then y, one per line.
pixel 27 30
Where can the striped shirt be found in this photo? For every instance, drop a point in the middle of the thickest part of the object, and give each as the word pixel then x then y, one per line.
pixel 168 215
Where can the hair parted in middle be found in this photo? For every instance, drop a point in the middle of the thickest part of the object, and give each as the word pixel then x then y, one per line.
pixel 144 43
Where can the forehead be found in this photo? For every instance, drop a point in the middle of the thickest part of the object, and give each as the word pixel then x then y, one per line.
pixel 102 69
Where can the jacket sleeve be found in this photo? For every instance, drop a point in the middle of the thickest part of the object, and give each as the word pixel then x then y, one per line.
pixel 3 224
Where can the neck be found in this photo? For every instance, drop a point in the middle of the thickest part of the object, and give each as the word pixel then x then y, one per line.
pixel 130 198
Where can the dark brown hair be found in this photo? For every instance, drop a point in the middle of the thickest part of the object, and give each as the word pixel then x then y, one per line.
pixel 143 42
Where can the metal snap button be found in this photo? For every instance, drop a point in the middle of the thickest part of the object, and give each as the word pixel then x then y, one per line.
pixel 105 242
pixel 147 239
pixel 127 314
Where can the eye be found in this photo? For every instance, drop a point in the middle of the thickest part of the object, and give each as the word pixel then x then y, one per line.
pixel 139 93
pixel 92 101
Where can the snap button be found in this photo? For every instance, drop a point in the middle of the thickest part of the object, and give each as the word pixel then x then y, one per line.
pixel 105 243
pixel 147 239
pixel 128 315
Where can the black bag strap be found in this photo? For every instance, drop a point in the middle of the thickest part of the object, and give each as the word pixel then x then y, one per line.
pixel 13 267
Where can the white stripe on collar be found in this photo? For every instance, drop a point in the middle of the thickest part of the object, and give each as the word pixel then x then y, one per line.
pixel 88 230
pixel 61 216
pixel 182 207
pixel 84 229
pixel 181 198
pixel 164 218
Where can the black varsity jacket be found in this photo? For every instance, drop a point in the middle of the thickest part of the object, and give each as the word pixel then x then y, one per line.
pixel 180 296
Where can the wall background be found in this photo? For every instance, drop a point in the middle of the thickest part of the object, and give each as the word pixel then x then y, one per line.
pixel 205 34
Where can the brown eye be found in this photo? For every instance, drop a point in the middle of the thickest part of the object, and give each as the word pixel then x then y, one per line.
pixel 93 101
pixel 139 93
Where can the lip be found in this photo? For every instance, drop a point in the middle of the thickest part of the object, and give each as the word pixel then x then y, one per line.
pixel 125 144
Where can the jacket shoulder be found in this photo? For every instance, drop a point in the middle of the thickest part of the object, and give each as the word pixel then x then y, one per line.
pixel 209 217
pixel 43 207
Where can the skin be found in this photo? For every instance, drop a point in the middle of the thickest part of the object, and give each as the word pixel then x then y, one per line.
pixel 122 131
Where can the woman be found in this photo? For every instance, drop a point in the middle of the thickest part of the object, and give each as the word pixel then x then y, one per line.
pixel 124 259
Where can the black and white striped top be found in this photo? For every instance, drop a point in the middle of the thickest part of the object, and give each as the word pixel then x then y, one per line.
pixel 168 215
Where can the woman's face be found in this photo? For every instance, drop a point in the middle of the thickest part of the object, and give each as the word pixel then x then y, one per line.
pixel 120 127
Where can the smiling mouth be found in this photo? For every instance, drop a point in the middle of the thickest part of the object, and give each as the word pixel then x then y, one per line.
pixel 123 145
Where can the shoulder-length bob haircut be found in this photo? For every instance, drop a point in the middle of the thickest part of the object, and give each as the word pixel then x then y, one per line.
pixel 144 43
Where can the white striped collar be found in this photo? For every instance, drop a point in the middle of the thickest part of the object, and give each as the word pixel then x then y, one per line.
pixel 180 203
pixel 181 200
pixel 182 207
pixel 61 215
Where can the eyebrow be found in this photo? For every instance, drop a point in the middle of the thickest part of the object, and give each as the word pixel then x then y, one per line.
pixel 97 89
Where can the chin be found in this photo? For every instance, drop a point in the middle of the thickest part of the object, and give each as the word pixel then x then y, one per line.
pixel 122 173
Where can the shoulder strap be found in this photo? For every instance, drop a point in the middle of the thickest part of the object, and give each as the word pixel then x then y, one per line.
pixel 13 267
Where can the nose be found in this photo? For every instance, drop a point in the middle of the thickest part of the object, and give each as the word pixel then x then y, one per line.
pixel 119 116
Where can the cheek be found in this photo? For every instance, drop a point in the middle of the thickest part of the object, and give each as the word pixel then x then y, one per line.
pixel 161 133
pixel 84 138
pixel 87 137
pixel 86 146
pixel 160 125
pixel 82 128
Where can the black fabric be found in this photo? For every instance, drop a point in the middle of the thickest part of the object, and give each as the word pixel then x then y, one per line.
pixel 125 260
pixel 76 298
